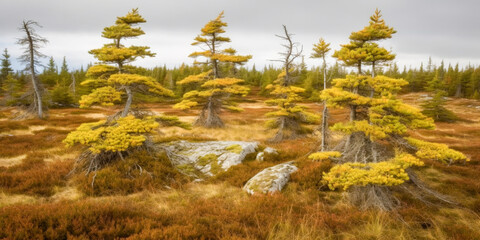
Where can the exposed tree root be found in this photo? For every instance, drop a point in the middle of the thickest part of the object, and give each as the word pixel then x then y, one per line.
pixel 287 129
pixel 209 117
pixel 359 148
pixel 373 197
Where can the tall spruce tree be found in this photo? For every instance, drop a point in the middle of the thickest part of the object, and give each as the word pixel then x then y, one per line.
pixel 213 89
pixel 367 164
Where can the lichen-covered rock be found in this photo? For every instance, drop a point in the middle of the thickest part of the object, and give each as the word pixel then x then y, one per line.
pixel 270 179
pixel 203 159
pixel 260 157
pixel 268 151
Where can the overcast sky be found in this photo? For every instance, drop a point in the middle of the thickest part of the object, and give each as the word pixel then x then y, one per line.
pixel 442 29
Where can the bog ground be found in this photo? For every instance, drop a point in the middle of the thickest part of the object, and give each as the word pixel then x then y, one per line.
pixel 39 199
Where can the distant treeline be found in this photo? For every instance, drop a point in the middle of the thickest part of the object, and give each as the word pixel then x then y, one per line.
pixel 64 88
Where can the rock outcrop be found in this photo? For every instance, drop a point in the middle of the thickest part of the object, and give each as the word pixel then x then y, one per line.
pixel 271 179
pixel 204 159
pixel 268 151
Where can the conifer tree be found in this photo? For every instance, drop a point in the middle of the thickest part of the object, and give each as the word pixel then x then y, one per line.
pixel 49 76
pixel 114 81
pixel 320 50
pixel 6 66
pixel 115 137
pixel 434 107
pixel 378 123
pixel 213 89
pixel 289 115
pixel 12 90
pixel 31 43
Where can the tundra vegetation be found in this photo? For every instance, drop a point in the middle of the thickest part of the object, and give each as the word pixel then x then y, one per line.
pixel 370 163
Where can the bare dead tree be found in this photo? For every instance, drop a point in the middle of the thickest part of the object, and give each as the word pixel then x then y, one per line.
pixel 289 55
pixel 31 44
pixel 288 126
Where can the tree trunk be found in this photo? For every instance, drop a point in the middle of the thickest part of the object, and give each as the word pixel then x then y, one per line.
pixel 209 117
pixel 458 93
pixel 325 109
pixel 35 83
pixel 74 83
pixel 129 101
pixel 353 113
pixel 372 91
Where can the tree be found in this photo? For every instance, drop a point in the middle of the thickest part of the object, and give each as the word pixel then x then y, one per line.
pixel 320 50
pixel 12 90
pixel 64 76
pixel 31 43
pixel 113 81
pixel 213 89
pixel 289 115
pixel 376 152
pixel 118 136
pixel 6 67
pixel 49 76
pixel 434 107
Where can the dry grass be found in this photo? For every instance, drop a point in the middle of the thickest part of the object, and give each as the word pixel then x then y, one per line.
pixel 37 201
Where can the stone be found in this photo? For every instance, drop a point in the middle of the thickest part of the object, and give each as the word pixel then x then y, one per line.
pixel 270 150
pixel 205 159
pixel 271 179
pixel 260 157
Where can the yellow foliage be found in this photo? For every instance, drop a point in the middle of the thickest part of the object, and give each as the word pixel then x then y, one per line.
pixel 195 78
pixel 320 49
pixel 436 151
pixel 137 80
pixel 351 81
pixel 117 136
pixel 101 71
pixel 370 130
pixel 185 104
pixel 387 173
pixel 338 98
pixel 405 114
pixel 221 82
pixel 321 156
pixel 106 96
pixel 386 86
pixel 132 17
pixel 111 54
pixel 231 58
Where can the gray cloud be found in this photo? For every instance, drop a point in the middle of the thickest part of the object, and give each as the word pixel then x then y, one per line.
pixel 443 29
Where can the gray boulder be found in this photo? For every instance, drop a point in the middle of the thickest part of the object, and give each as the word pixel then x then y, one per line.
pixel 267 151
pixel 204 159
pixel 270 179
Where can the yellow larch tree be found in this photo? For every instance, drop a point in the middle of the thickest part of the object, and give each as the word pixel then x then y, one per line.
pixel 113 78
pixel 375 153
pixel 213 89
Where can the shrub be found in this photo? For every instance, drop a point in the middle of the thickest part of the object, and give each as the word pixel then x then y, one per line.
pixel 34 177
pixel 139 171
pixel 61 97
pixel 310 174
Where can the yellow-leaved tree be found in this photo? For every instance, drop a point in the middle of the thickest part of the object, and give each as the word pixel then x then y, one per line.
pixel 113 78
pixel 213 89
pixel 375 154
pixel 289 115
